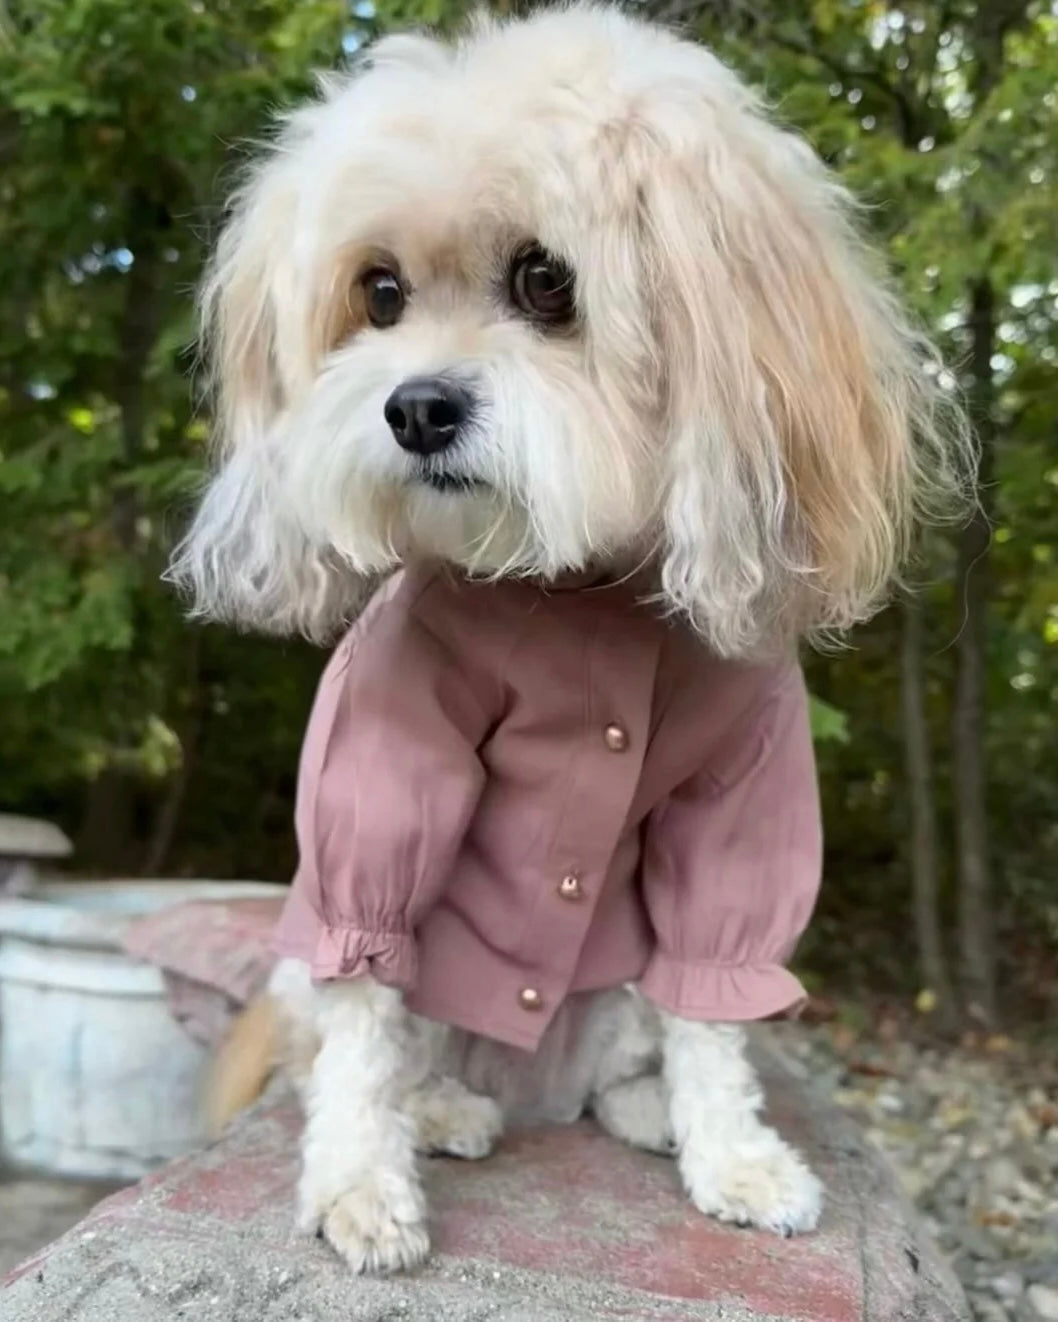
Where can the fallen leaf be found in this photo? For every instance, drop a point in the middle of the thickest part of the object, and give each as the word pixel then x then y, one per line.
pixel 1045 1115
pixel 953 1114
pixel 819 1010
pixel 996 1218
pixel 870 1070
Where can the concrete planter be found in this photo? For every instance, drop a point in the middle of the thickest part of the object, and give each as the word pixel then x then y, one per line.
pixel 26 843
pixel 96 1079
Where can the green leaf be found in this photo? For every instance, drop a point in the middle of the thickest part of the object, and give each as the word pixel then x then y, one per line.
pixel 828 724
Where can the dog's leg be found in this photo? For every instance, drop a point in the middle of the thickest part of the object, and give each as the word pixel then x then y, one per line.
pixel 637 1112
pixel 449 1118
pixel 359 1182
pixel 629 1098
pixel 733 1166
pixel 452 1121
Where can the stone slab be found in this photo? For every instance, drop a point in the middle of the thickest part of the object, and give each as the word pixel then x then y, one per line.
pixel 561 1225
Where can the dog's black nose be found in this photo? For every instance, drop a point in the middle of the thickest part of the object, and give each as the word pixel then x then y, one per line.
pixel 425 413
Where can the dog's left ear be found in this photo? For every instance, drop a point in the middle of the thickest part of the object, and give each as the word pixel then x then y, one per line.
pixel 804 433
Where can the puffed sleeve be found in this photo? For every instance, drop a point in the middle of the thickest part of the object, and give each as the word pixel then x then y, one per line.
pixel 731 868
pixel 389 780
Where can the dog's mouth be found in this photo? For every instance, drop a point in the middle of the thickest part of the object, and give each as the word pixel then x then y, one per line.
pixel 457 484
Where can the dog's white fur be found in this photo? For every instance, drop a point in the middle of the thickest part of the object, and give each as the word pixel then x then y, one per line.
pixel 741 404
pixel 380 1085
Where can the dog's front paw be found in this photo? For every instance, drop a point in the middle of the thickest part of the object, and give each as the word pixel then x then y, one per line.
pixel 762 1183
pixel 374 1227
pixel 452 1121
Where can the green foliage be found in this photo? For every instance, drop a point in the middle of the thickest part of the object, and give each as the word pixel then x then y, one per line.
pixel 828 724
pixel 118 124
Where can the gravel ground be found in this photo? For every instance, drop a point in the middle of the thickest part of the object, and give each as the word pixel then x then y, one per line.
pixel 973 1133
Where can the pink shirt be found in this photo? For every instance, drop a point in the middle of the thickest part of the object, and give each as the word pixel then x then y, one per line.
pixel 508 794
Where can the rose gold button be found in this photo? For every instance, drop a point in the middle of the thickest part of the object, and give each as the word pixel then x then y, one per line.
pixel 530 999
pixel 616 738
pixel 570 888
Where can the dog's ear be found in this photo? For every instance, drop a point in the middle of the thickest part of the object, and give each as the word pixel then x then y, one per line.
pixel 804 432
pixel 244 558
pixel 265 328
pixel 265 322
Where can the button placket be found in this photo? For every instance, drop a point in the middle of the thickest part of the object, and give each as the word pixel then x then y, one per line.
pixel 593 810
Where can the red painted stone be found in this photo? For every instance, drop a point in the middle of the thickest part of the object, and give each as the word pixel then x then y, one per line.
pixel 615 1215
pixel 568 1210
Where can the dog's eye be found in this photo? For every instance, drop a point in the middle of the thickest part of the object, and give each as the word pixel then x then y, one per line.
pixel 383 297
pixel 542 287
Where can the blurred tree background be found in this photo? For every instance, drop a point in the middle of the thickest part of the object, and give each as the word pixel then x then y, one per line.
pixel 165 748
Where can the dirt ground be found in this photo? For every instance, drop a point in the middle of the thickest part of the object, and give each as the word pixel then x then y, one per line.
pixel 35 1210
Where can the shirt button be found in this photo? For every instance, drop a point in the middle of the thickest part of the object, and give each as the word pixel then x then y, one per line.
pixel 616 738
pixel 570 888
pixel 530 999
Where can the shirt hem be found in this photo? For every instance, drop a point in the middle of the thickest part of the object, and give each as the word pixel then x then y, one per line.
pixel 463 1018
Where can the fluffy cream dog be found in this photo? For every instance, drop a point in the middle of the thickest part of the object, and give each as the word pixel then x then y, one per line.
pixel 558 296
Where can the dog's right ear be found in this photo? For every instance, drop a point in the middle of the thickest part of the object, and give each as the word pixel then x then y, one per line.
pixel 265 328
pixel 239 304
pixel 261 338
pixel 246 559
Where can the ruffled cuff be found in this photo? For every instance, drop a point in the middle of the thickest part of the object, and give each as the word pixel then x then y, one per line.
pixel 349 952
pixel 718 993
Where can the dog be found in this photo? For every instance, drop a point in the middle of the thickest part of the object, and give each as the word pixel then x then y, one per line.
pixel 556 334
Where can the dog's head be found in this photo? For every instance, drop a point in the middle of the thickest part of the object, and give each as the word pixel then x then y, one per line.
pixel 557 296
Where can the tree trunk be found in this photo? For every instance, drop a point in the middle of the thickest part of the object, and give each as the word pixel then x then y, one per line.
pixel 163 831
pixel 140 324
pixel 167 815
pixel 976 919
pixel 922 813
pixel 107 823
pixel 109 829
